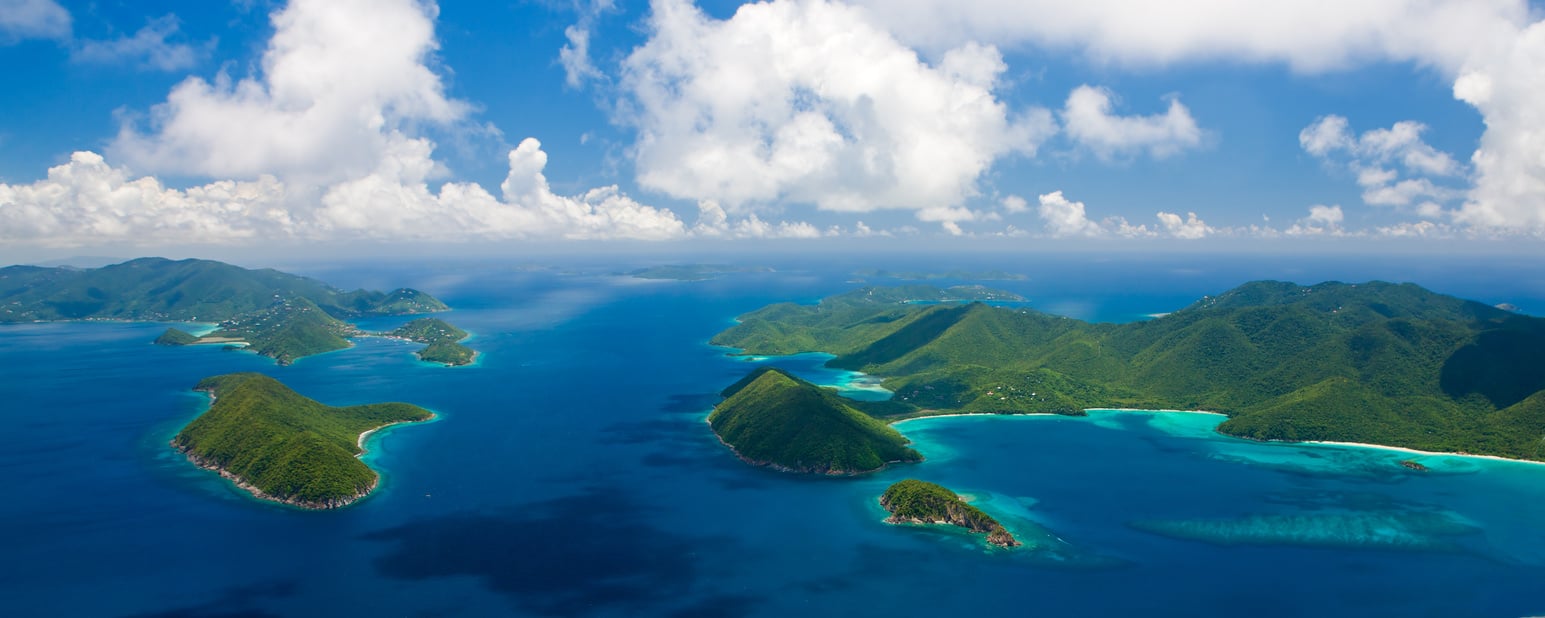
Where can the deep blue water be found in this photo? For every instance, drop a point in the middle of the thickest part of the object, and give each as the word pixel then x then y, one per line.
pixel 570 472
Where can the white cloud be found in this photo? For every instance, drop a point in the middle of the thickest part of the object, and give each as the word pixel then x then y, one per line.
pixel 1307 35
pixel 1493 50
pixel 1014 204
pixel 395 202
pixel 713 222
pixel 1322 221
pixel 575 54
pixel 86 201
pixel 32 19
pixel 1371 154
pixel 1088 120
pixel 1064 218
pixel 1189 228
pixel 1509 89
pixel 806 101
pixel 148 48
pixel 341 83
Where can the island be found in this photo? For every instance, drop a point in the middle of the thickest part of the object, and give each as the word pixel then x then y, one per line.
pixel 275 314
pixel 442 339
pixel 694 272
pixel 771 418
pixel 919 502
pixel 1377 363
pixel 284 447
pixel 962 275
pixel 162 290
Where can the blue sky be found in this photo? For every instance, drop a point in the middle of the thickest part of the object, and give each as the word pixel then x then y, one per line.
pixel 508 124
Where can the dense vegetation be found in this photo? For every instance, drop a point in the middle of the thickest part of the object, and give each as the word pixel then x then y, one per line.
pixel 1377 362
pixel 442 340
pixel 185 290
pixel 287 330
pixel 919 502
pixel 288 447
pixel 842 323
pixel 774 419
pixel 175 336
pixel 278 315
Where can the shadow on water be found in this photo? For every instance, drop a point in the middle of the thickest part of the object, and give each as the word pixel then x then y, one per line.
pixel 581 554
pixel 233 603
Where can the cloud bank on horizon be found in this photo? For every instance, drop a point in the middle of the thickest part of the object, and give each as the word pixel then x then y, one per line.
pixel 852 110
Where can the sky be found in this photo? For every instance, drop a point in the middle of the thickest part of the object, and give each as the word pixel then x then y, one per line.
pixel 209 127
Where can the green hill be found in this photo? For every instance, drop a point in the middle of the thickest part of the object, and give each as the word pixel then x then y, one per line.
pixel 287 330
pixel 284 447
pixel 1382 363
pixel 158 289
pixel 771 418
pixel 442 340
pixel 918 502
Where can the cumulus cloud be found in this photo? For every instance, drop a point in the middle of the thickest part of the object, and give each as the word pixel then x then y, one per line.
pixel 1493 50
pixel 1089 122
pixel 1322 221
pixel 321 143
pixel 1189 228
pixel 341 83
pixel 148 48
pixel 1307 35
pixel 87 201
pixel 1063 217
pixel 396 202
pixel 807 101
pixel 1508 88
pixel 32 19
pixel 1373 155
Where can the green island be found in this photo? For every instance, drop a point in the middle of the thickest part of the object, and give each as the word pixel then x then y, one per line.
pixel 771 418
pixel 442 339
pixel 284 447
pixel 1377 363
pixel 919 502
pixel 275 314
pixel 694 272
pixel 963 275
pixel 162 290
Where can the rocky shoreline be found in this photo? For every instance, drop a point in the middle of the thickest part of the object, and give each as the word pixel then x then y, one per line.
pixel 210 465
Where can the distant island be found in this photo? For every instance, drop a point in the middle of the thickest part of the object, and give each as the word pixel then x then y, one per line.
pixel 281 446
pixel 1378 363
pixel 442 339
pixel 162 290
pixel 694 272
pixel 961 275
pixel 275 314
pixel 918 502
pixel 771 418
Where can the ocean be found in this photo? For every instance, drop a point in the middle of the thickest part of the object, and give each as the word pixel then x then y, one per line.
pixel 571 472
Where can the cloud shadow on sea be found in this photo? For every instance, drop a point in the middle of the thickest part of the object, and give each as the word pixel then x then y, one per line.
pixel 569 556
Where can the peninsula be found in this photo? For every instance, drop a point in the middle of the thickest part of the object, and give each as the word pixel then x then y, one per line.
pixel 771 418
pixel 918 502
pixel 442 339
pixel 284 447
pixel 1377 363
pixel 275 314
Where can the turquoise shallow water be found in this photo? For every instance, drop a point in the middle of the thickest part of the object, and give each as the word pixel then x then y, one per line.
pixel 571 473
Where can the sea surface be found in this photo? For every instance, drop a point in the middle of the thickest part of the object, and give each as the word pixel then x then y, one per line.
pixel 571 472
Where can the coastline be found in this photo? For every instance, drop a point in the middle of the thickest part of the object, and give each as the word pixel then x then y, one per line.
pixel 1398 449
pixel 810 472
pixel 302 504
pixel 1402 449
